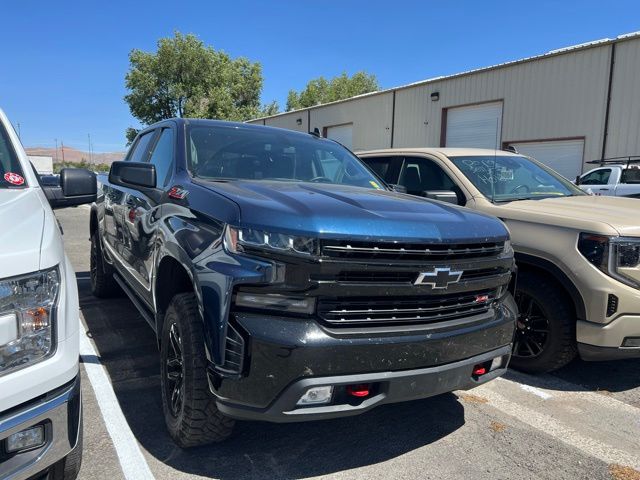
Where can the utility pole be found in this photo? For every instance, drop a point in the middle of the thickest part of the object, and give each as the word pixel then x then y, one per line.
pixel 56 149
pixel 90 151
pixel 62 147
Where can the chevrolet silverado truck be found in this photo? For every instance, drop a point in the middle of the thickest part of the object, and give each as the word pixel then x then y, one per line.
pixel 40 404
pixel 616 177
pixel 578 255
pixel 286 283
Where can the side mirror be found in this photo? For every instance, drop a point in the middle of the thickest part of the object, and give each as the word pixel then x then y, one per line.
pixel 77 187
pixel 578 180
pixel 442 195
pixel 133 174
pixel 398 188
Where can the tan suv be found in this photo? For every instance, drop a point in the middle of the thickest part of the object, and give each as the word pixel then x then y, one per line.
pixel 578 255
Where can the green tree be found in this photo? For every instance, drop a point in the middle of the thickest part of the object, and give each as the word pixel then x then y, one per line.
pixel 186 78
pixel 320 90
pixel 270 109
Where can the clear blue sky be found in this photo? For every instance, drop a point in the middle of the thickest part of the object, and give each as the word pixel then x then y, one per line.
pixel 63 63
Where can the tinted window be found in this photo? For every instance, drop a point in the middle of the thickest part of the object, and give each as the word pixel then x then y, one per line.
pixel 631 175
pixel 139 150
pixel 420 175
pixel 162 157
pixel 382 167
pixel 8 161
pixel 599 177
pixel 230 153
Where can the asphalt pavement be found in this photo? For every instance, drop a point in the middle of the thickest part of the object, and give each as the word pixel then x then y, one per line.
pixel 582 422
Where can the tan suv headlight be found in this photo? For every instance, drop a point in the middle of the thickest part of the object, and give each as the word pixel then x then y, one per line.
pixel 618 257
pixel 27 308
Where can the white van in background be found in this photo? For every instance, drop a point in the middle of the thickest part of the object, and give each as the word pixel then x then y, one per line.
pixel 40 401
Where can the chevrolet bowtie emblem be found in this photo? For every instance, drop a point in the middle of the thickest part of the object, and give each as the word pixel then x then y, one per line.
pixel 439 278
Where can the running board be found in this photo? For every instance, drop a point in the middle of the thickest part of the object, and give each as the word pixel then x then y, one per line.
pixel 138 304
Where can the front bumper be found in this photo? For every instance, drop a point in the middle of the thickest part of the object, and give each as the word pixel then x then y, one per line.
pixel 598 342
pixel 60 412
pixel 285 356
pixel 389 387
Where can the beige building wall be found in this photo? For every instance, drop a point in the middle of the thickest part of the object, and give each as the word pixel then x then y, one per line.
pixel 624 112
pixel 561 95
pixel 370 115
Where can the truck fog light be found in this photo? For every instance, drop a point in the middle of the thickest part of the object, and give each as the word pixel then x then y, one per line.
pixel 631 342
pixel 496 363
pixel 26 439
pixel 281 303
pixel 316 396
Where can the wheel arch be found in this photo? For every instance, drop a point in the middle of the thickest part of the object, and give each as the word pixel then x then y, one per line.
pixel 532 263
pixel 172 278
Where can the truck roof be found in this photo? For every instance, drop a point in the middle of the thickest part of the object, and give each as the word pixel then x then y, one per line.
pixel 447 151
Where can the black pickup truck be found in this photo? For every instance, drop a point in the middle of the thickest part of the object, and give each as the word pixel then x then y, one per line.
pixel 286 282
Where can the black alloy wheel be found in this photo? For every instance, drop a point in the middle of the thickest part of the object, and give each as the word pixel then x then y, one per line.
pixel 174 371
pixel 532 328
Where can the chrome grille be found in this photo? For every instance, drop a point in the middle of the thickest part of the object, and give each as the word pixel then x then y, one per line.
pixel 408 251
pixel 358 311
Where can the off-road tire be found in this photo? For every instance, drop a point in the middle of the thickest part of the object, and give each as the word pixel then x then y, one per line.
pixel 560 347
pixel 197 421
pixel 103 285
pixel 69 467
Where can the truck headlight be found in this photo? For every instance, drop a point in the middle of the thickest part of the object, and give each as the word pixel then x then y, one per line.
pixel 27 310
pixel 618 257
pixel 246 239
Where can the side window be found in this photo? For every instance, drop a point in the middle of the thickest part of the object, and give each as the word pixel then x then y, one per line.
pixel 138 152
pixel 162 157
pixel 383 167
pixel 420 174
pixel 599 177
pixel 631 176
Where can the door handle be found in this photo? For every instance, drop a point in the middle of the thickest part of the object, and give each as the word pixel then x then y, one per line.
pixel 603 189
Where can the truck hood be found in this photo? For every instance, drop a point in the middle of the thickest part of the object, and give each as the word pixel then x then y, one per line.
pixel 22 224
pixel 338 211
pixel 588 213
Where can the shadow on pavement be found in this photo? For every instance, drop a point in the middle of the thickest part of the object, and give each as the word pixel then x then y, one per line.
pixel 128 350
pixel 580 376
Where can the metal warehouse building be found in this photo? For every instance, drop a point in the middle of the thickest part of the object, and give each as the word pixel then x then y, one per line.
pixel 564 107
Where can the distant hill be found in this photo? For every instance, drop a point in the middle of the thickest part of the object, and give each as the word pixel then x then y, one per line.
pixel 76 156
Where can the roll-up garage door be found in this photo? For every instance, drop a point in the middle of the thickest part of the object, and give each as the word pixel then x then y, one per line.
pixel 342 134
pixel 564 156
pixel 474 126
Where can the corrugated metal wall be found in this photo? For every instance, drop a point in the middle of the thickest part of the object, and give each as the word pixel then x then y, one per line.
pixel 370 115
pixel 624 113
pixel 556 97
pixel 553 97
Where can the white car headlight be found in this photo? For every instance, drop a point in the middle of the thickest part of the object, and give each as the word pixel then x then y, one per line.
pixel 247 239
pixel 27 311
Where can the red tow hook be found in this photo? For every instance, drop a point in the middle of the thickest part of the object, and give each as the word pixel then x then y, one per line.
pixel 360 391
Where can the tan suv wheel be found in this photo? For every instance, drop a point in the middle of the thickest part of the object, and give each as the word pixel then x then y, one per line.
pixel 545 338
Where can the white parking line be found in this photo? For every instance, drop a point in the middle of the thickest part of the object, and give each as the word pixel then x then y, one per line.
pixel 536 391
pixel 133 464
pixel 551 426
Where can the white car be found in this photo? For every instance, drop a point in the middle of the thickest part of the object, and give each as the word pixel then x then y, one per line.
pixel 40 401
pixel 614 177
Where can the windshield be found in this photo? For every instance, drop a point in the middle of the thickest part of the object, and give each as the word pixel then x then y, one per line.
pixel 10 171
pixel 230 153
pixel 504 179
